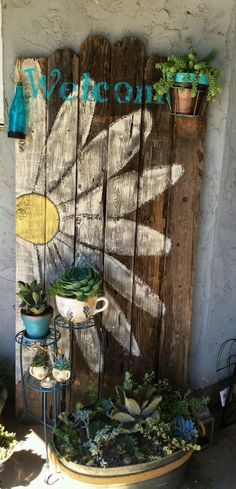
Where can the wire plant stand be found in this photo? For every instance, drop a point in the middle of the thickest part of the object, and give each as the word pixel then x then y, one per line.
pixel 226 368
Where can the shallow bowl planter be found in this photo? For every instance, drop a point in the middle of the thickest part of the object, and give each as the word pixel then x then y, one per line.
pixel 78 311
pixel 166 473
pixel 39 373
pixel 61 375
pixel 37 327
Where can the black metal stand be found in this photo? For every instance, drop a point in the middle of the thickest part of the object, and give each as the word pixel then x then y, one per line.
pixel 50 342
pixel 94 322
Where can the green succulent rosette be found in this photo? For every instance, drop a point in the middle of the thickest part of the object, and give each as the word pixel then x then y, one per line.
pixel 79 283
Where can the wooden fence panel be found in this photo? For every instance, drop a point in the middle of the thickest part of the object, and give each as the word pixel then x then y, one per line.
pixel 118 181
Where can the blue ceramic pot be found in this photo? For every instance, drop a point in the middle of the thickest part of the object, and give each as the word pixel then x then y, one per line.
pixel 37 327
pixel 180 78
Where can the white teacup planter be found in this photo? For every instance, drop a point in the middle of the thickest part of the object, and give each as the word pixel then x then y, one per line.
pixel 78 311
pixel 61 375
pixel 39 373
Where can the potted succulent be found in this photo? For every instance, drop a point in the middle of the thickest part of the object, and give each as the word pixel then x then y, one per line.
pixel 35 312
pixel 77 294
pixel 142 438
pixel 7 444
pixel 61 369
pixel 183 76
pixel 40 366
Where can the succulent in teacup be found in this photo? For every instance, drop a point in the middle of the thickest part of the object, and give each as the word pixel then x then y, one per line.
pixel 77 282
pixel 62 363
pixel 39 366
pixel 61 369
pixel 33 297
pixel 40 360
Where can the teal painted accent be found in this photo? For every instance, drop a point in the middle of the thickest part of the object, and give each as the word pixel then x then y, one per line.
pixel 17 115
pixel 36 326
pixel 180 78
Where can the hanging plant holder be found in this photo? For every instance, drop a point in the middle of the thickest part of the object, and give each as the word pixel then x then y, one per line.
pixel 182 103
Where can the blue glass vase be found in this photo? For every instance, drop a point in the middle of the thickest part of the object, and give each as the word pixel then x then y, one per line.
pixel 17 115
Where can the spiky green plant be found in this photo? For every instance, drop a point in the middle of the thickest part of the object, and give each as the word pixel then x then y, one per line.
pixel 62 363
pixel 143 406
pixel 33 297
pixel 77 282
pixel 40 360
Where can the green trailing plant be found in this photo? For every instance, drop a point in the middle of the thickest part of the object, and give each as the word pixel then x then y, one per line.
pixel 62 363
pixel 33 298
pixel 77 282
pixel 40 360
pixel 7 443
pixel 189 64
pixel 119 431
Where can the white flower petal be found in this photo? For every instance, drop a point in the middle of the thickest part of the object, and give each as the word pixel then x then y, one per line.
pixel 121 279
pixel 120 234
pixel 124 139
pixel 116 323
pixel 155 181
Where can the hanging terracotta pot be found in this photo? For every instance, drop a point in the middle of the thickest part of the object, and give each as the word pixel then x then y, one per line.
pixel 184 103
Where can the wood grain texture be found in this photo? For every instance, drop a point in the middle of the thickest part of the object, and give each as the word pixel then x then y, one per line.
pixel 91 191
pixel 120 182
pixel 127 63
pixel 155 154
pixel 30 178
pixel 182 219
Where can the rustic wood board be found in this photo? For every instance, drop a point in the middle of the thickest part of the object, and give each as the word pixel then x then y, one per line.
pixel 30 181
pixel 182 219
pixel 154 184
pixel 119 187
pixel 90 204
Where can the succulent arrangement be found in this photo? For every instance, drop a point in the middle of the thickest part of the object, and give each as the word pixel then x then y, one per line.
pixel 7 443
pixel 194 70
pixel 131 428
pixel 33 298
pixel 62 363
pixel 77 282
pixel 40 360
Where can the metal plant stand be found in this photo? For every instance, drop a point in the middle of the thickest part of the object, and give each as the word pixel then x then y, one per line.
pixel 49 342
pixel 94 322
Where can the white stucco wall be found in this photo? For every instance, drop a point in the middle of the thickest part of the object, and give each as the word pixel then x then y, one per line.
pixel 37 28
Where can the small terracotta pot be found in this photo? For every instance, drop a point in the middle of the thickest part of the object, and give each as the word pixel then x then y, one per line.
pixel 61 375
pixel 184 101
pixel 39 373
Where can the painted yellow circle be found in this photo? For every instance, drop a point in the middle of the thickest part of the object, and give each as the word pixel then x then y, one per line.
pixel 37 218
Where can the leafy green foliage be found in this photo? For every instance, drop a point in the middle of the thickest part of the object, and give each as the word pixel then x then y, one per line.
pixel 7 443
pixel 131 428
pixel 62 363
pixel 189 64
pixel 79 283
pixel 33 297
pixel 40 360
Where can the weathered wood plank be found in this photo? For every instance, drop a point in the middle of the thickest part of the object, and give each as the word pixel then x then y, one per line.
pixel 182 218
pixel 61 171
pixel 30 208
pixel 154 181
pixel 91 182
pixel 127 63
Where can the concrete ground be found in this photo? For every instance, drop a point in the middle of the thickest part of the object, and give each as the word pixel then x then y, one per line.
pixel 212 468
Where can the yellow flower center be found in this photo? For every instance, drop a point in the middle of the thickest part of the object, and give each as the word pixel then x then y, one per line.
pixel 37 218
